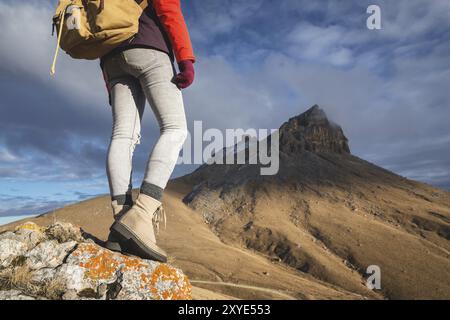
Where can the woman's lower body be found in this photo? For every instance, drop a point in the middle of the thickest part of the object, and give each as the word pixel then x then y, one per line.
pixel 135 76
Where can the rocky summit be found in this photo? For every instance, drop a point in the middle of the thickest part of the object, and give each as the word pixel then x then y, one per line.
pixel 58 262
pixel 312 131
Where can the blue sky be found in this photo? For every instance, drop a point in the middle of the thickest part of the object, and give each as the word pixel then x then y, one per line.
pixel 259 63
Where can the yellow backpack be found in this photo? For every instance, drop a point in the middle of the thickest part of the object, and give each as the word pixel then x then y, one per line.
pixel 89 29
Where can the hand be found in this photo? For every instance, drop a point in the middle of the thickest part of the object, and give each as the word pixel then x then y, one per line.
pixel 186 76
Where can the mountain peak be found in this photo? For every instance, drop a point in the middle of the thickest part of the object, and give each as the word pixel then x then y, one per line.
pixel 312 131
pixel 314 113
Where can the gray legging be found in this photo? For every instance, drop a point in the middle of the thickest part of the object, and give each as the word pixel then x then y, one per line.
pixel 134 75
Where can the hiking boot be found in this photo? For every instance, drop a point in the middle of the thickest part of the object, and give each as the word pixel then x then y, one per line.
pixel 113 243
pixel 136 228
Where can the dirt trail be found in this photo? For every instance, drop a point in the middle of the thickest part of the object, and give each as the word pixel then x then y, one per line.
pixel 282 295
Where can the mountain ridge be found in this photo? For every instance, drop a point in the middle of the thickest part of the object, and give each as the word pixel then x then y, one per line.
pixel 286 216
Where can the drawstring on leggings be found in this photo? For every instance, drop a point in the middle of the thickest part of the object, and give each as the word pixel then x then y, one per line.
pixel 55 57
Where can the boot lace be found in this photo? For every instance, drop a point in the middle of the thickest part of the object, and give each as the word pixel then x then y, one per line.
pixel 158 217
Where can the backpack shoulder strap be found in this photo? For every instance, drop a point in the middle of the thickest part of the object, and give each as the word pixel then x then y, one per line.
pixel 144 4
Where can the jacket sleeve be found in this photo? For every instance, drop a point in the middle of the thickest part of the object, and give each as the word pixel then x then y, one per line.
pixel 171 17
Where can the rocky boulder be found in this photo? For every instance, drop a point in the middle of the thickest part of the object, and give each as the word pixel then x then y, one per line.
pixel 57 262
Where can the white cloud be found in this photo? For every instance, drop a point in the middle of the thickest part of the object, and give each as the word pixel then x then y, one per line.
pixel 7 156
pixel 225 97
pixel 214 18
pixel 28 49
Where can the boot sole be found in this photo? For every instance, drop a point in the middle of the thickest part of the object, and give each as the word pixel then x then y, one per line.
pixel 114 246
pixel 120 247
pixel 134 244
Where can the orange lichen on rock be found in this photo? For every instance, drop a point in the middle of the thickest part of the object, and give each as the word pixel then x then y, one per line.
pixel 143 278
pixel 180 288
pixel 132 263
pixel 88 248
pixel 103 264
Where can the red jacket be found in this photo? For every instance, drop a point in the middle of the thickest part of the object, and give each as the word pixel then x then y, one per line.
pixel 171 17
pixel 162 27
